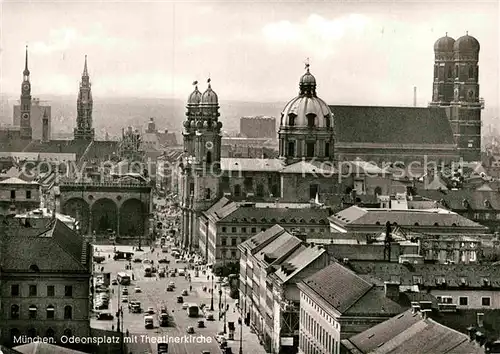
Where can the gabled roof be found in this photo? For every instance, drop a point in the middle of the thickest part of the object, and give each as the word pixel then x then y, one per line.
pixel 325 283
pixel 250 164
pixel 392 125
pixel 463 200
pixel 58 248
pixel 297 261
pixel 411 217
pixel 310 167
pixel 77 147
pixel 410 333
pixel 212 211
pixel 99 149
pixel 260 240
pixel 252 214
pixel 15 180
pixel 279 246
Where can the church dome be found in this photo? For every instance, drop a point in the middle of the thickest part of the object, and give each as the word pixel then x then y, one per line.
pixel 444 44
pixel 195 96
pixel 209 96
pixel 466 44
pixel 307 110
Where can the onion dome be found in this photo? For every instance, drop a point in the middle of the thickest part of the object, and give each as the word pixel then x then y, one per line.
pixel 444 44
pixel 307 110
pixel 209 96
pixel 186 124
pixel 195 96
pixel 466 44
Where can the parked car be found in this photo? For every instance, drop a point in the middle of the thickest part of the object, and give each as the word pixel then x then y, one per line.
pixel 170 288
pixel 209 316
pixel 190 330
pixel 105 316
pixel 185 306
pixel 137 289
pixel 163 260
pixel 172 284
pixel 184 292
pixel 151 310
pixel 201 324
pixel 125 298
pixel 137 260
pixel 114 282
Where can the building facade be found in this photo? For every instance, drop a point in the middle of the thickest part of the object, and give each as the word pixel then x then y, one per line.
pixel 258 127
pixel 18 196
pixel 41 124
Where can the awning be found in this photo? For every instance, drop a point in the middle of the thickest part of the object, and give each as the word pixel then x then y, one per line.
pixel 32 308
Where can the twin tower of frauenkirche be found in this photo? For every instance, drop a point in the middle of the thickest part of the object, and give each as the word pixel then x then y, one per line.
pixel 83 130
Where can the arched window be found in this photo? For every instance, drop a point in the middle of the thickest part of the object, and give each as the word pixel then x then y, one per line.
pixel 14 312
pixel 291 119
pixel 260 190
pixel 32 312
pixel 50 312
pixel 68 333
pixel 435 71
pixel 34 268
pixel 237 190
pixel 327 121
pixel 31 333
pixel 207 193
pixel 377 223
pixel 50 333
pixel 436 224
pixel 311 120
pixel 14 334
pixel 291 148
pixel 456 71
pixel 416 224
pixel 327 149
pixel 378 191
pixel 68 312
pixel 450 72
pixel 209 156
pixel 471 72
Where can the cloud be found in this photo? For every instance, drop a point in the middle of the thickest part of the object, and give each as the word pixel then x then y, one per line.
pixel 59 40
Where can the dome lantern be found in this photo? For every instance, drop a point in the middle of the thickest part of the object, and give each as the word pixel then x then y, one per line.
pixel 307 83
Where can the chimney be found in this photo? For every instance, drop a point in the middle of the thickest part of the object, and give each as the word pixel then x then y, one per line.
pixel 414 96
pixel 391 289
pixel 480 320
pixel 426 313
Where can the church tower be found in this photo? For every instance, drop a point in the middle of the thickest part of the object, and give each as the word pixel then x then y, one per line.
pixel 444 78
pixel 26 131
pixel 84 130
pixel 201 166
pixel 306 126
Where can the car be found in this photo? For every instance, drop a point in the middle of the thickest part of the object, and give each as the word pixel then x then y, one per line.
pixel 105 316
pixel 179 261
pixel 172 274
pixel 151 310
pixel 172 284
pixel 125 298
pixel 146 261
pixel 185 306
pixel 170 288
pixel 184 292
pixel 161 273
pixel 209 316
pixel 125 291
pixel 114 282
pixel 181 273
pixel 190 330
pixel 137 260
pixel 163 309
pixel 148 322
pixel 137 289
pixel 163 260
pixel 201 324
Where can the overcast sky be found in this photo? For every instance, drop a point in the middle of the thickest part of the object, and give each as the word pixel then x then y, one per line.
pixel 360 52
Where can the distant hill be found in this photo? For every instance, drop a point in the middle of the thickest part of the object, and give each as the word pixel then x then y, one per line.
pixel 113 114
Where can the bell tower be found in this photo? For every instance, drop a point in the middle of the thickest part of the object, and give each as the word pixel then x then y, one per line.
pixel 26 131
pixel 201 169
pixel 84 104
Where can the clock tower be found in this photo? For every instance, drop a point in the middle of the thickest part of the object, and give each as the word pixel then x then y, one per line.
pixel 26 131
pixel 84 129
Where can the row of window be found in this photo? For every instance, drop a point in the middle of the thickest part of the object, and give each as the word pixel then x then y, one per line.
pixel 13 194
pixel 450 71
pixel 32 333
pixel 463 300
pixel 33 290
pixel 327 345
pixel 15 312
pixel 311 120
pixel 319 310
pixel 234 230
pixel 310 149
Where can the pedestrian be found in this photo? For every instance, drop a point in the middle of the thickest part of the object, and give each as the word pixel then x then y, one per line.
pixel 112 327
pixel 190 288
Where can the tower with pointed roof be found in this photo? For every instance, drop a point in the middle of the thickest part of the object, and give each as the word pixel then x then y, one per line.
pixel 84 129
pixel 306 126
pixel 201 165
pixel 25 124
pixel 456 87
pixel 45 127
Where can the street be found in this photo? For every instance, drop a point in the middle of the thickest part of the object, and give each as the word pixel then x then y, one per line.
pixel 153 294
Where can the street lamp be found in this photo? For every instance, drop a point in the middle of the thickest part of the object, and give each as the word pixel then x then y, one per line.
pixel 212 299
pixel 225 311
pixel 241 335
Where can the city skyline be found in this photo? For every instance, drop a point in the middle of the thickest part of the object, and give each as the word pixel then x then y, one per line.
pixel 363 53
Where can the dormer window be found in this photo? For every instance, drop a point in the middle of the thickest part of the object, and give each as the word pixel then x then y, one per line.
pixel 311 120
pixel 291 119
pixel 327 121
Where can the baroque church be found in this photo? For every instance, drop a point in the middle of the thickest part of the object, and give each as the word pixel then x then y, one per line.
pixel 314 138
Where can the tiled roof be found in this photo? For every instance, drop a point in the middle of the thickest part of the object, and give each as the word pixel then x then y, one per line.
pixel 392 125
pixel 77 147
pixel 278 247
pixel 249 164
pixel 326 283
pixel 217 206
pixel 410 333
pixel 410 217
pixel 101 150
pixel 455 275
pixel 463 200
pixel 310 167
pixel 277 215
pixel 375 302
pixel 15 180
pixel 260 240
pixel 358 167
pixel 57 249
pixel 297 261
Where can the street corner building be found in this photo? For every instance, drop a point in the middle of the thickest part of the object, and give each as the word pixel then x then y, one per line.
pixel 44 282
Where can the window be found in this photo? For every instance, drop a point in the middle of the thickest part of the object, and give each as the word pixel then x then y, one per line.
pixel 446 299
pixel 68 291
pixel 237 190
pixel 233 242
pixel 327 149
pixel 223 241
pixel 14 312
pixel 224 229
pixel 51 290
pixel 310 149
pixel 12 194
pixel 463 301
pixel 471 72
pixel 248 182
pixel 243 230
pixel 291 148
pixel 233 229
pixel 485 301
pixel 417 280
pixel 209 157
pixel 50 312
pixel 262 229
pixel 260 190
pixel 32 312
pixel 233 254
pixel 191 188
pixel 313 191
pixel 310 120
pixel 28 194
pixel 327 121
pixel 254 230
pixel 450 73
pixel 456 71
pixel 291 119
pixel 207 193
pixel 68 312
pixel 14 290
pixel 32 290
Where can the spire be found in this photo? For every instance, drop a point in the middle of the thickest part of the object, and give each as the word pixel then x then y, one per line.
pixel 208 81
pixel 85 71
pixel 307 65
pixel 26 71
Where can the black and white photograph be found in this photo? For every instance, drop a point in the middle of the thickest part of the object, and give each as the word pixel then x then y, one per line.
pixel 249 177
